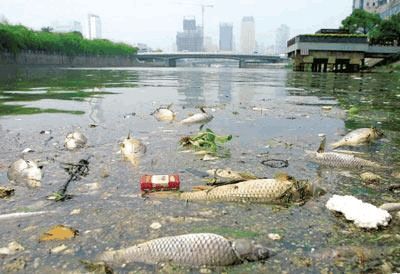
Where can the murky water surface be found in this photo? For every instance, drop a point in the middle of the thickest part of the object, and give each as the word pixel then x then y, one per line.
pixel 271 113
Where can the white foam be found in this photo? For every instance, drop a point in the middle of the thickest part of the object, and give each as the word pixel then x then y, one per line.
pixel 363 214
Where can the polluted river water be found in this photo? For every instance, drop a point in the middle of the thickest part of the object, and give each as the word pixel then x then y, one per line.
pixel 272 114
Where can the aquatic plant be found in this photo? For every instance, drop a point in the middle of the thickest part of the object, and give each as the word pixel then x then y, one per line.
pixel 206 141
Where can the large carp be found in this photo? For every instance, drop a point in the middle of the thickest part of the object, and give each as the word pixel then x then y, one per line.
pixel 201 249
pixel 358 137
pixel 282 190
pixel 340 160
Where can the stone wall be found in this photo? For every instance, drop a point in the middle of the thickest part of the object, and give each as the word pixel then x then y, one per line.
pixel 38 58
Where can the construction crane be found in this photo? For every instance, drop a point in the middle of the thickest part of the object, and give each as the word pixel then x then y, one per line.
pixel 203 10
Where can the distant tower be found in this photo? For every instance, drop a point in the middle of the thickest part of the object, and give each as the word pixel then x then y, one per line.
pixel 94 27
pixel 226 37
pixel 248 35
pixel 191 38
pixel 282 36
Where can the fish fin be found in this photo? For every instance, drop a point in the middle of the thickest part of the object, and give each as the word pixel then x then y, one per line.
pixel 129 135
pixel 202 188
pixel 202 110
pixel 170 105
pixel 282 176
pixel 321 148
pixel 247 176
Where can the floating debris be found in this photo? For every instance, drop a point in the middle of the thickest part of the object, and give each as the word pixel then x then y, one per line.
pixel 334 159
pixel 58 249
pixel 202 118
pixel 76 172
pixel 129 115
pixel 208 157
pixel 363 214
pixel 11 249
pixel 59 233
pixel 370 178
pixel 132 149
pixel 275 163
pixel 327 108
pixel 202 249
pixel 155 225
pixel 206 141
pixel 274 236
pixel 75 140
pixel 97 267
pixel 6 192
pixel 359 137
pixel 25 172
pixel 19 215
pixel 27 150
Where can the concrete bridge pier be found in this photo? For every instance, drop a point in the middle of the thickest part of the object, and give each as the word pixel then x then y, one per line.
pixel 172 63
pixel 242 63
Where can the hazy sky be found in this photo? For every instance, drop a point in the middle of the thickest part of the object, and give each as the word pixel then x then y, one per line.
pixel 156 22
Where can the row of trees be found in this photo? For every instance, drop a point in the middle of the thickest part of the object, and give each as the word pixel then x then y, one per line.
pixel 16 38
pixel 379 31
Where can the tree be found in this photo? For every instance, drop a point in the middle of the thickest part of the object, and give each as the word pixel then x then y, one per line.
pixel 361 21
pixel 388 31
pixel 47 29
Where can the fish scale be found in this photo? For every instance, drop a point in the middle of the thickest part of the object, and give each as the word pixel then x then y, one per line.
pixel 255 191
pixel 334 159
pixel 192 249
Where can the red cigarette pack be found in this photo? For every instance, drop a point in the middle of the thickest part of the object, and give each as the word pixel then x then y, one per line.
pixel 159 182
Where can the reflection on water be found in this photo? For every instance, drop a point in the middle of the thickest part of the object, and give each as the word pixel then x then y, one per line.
pixel 114 216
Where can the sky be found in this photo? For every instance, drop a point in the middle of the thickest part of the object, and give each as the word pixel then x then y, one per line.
pixel 155 22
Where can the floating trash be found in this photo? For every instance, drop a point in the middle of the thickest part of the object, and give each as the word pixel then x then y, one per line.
pixel 275 163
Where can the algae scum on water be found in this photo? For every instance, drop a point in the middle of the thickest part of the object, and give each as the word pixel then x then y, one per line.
pixel 105 210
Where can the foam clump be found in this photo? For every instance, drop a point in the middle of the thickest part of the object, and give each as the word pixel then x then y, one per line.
pixel 364 215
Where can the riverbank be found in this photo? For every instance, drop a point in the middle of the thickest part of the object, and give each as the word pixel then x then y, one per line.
pixel 41 58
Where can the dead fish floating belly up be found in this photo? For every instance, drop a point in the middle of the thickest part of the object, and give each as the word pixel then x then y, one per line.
pixel 267 191
pixel 75 140
pixel 202 117
pixel 339 160
pixel 164 114
pixel 25 172
pixel 202 249
pixel 132 149
pixel 359 137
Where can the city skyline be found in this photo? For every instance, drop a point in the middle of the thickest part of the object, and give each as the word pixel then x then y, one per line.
pixel 135 21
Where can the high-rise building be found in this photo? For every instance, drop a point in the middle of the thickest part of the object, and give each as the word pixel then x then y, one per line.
pixel 385 8
pixel 281 38
pixel 191 38
pixel 248 35
pixel 94 25
pixel 70 26
pixel 226 37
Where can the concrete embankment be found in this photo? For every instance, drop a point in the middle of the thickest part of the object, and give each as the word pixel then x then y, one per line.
pixel 38 58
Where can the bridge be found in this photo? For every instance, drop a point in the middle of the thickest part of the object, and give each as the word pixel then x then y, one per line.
pixel 171 58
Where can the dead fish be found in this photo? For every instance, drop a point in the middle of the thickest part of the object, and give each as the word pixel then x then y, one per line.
pixel 132 149
pixel 164 114
pixel 390 207
pixel 282 190
pixel 201 249
pixel 25 172
pixel 334 159
pixel 221 176
pixel 358 137
pixel 75 140
pixel 202 117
